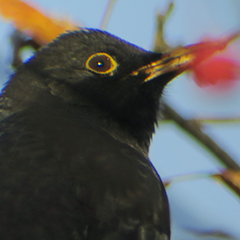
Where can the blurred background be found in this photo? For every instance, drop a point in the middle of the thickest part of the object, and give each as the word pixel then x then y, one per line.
pixel 201 208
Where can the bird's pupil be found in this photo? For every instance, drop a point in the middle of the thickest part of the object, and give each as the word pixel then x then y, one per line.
pixel 100 64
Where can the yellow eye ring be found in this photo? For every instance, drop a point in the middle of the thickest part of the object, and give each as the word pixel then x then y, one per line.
pixel 101 63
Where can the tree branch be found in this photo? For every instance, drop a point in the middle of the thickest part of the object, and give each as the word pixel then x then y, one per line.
pixel 194 129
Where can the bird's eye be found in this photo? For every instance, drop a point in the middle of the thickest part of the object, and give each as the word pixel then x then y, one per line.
pixel 101 63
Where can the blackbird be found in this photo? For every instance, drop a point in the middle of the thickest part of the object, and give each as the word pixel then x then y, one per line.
pixel 75 126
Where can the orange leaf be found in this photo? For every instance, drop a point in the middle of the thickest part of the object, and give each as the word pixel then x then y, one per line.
pixel 166 184
pixel 231 178
pixel 32 21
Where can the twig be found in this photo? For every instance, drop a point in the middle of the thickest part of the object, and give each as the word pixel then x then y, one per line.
pixel 187 177
pixel 107 14
pixel 159 43
pixel 216 120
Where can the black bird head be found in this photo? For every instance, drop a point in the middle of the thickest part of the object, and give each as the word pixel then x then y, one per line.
pixel 119 83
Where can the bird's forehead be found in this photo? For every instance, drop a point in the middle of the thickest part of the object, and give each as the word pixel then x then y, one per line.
pixel 92 40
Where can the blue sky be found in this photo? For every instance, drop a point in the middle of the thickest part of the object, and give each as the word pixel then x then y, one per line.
pixel 201 205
